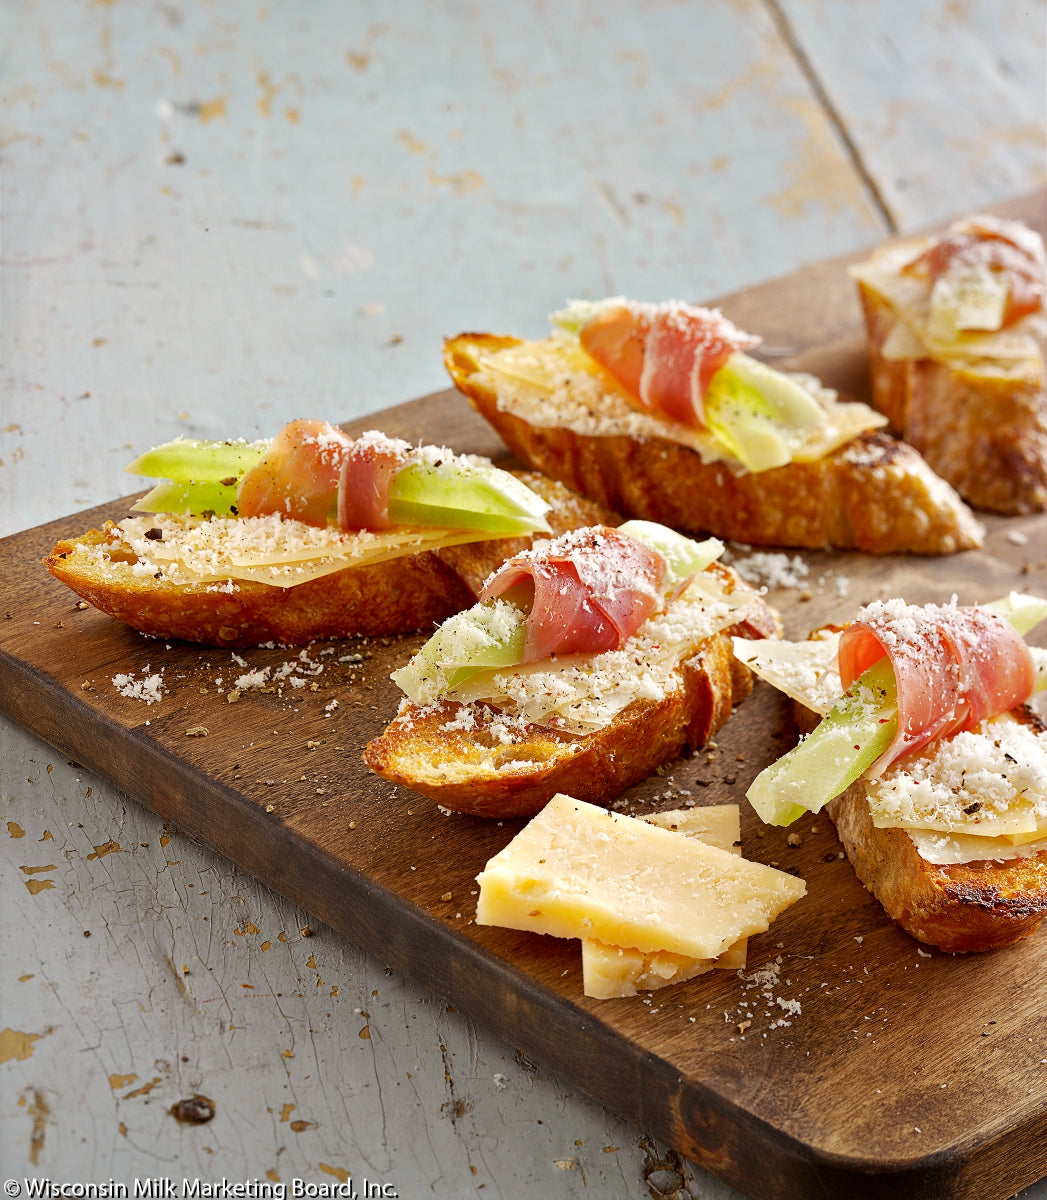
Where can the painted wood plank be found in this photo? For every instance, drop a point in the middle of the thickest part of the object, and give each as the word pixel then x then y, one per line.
pixel 943 103
pixel 220 220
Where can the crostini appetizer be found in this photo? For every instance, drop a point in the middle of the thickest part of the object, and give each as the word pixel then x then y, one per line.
pixel 659 412
pixel 587 663
pixel 956 329
pixel 928 759
pixel 310 535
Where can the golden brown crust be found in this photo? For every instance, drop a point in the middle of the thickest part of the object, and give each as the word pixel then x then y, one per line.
pixel 960 907
pixel 470 771
pixel 876 494
pixel 397 596
pixel 978 426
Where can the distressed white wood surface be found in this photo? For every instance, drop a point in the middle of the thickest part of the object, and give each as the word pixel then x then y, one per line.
pixel 220 216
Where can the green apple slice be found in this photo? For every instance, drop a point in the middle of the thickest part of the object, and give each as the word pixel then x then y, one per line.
pixel 190 498
pixel 757 412
pixel 790 403
pixel 484 637
pixel 185 461
pixel 1023 611
pixel 684 557
pixel 465 495
pixel 848 740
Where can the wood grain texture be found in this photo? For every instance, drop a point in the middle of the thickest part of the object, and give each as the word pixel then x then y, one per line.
pixel 835 998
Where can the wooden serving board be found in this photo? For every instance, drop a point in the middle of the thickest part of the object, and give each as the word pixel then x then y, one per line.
pixel 845 1059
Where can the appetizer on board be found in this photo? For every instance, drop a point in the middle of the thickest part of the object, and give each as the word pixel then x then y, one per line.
pixel 588 662
pixel 310 535
pixel 956 327
pixel 928 759
pixel 657 411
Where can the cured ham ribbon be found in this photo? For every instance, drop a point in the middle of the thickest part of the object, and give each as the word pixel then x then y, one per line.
pixel 298 475
pixel 312 473
pixel 663 354
pixel 954 668
pixel 593 589
pixel 998 245
pixel 366 482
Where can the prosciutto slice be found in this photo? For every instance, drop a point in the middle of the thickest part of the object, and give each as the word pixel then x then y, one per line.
pixel 593 589
pixel 1003 247
pixel 313 473
pixel 664 355
pixel 954 668
pixel 298 475
pixel 366 482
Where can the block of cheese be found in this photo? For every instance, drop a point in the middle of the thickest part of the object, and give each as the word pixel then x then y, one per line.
pixel 576 870
pixel 612 971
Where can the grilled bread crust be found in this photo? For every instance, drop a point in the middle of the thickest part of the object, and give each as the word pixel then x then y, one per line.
pixel 471 771
pixel 400 595
pixel 961 907
pixel 875 494
pixel 978 425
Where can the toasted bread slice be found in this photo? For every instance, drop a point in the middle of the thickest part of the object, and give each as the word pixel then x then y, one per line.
pixel 959 907
pixel 873 494
pixel 463 757
pixel 394 596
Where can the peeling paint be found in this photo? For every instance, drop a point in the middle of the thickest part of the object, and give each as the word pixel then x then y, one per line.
pixel 119 1081
pixel 15 830
pixel 104 849
pixel 820 171
pixel 285 1113
pixel 36 870
pixel 14 1044
pixel 269 90
pixel 103 79
pixel 208 110
pixel 339 1173
pixel 144 1090
pixel 412 143
pixel 35 886
pixel 39 1112
pixel 462 182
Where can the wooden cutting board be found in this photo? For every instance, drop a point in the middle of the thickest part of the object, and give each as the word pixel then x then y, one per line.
pixel 845 1059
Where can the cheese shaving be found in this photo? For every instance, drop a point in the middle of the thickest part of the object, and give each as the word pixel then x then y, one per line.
pixel 272 550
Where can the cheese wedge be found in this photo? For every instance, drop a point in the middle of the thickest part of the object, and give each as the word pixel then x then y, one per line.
pixel 613 971
pixel 576 870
